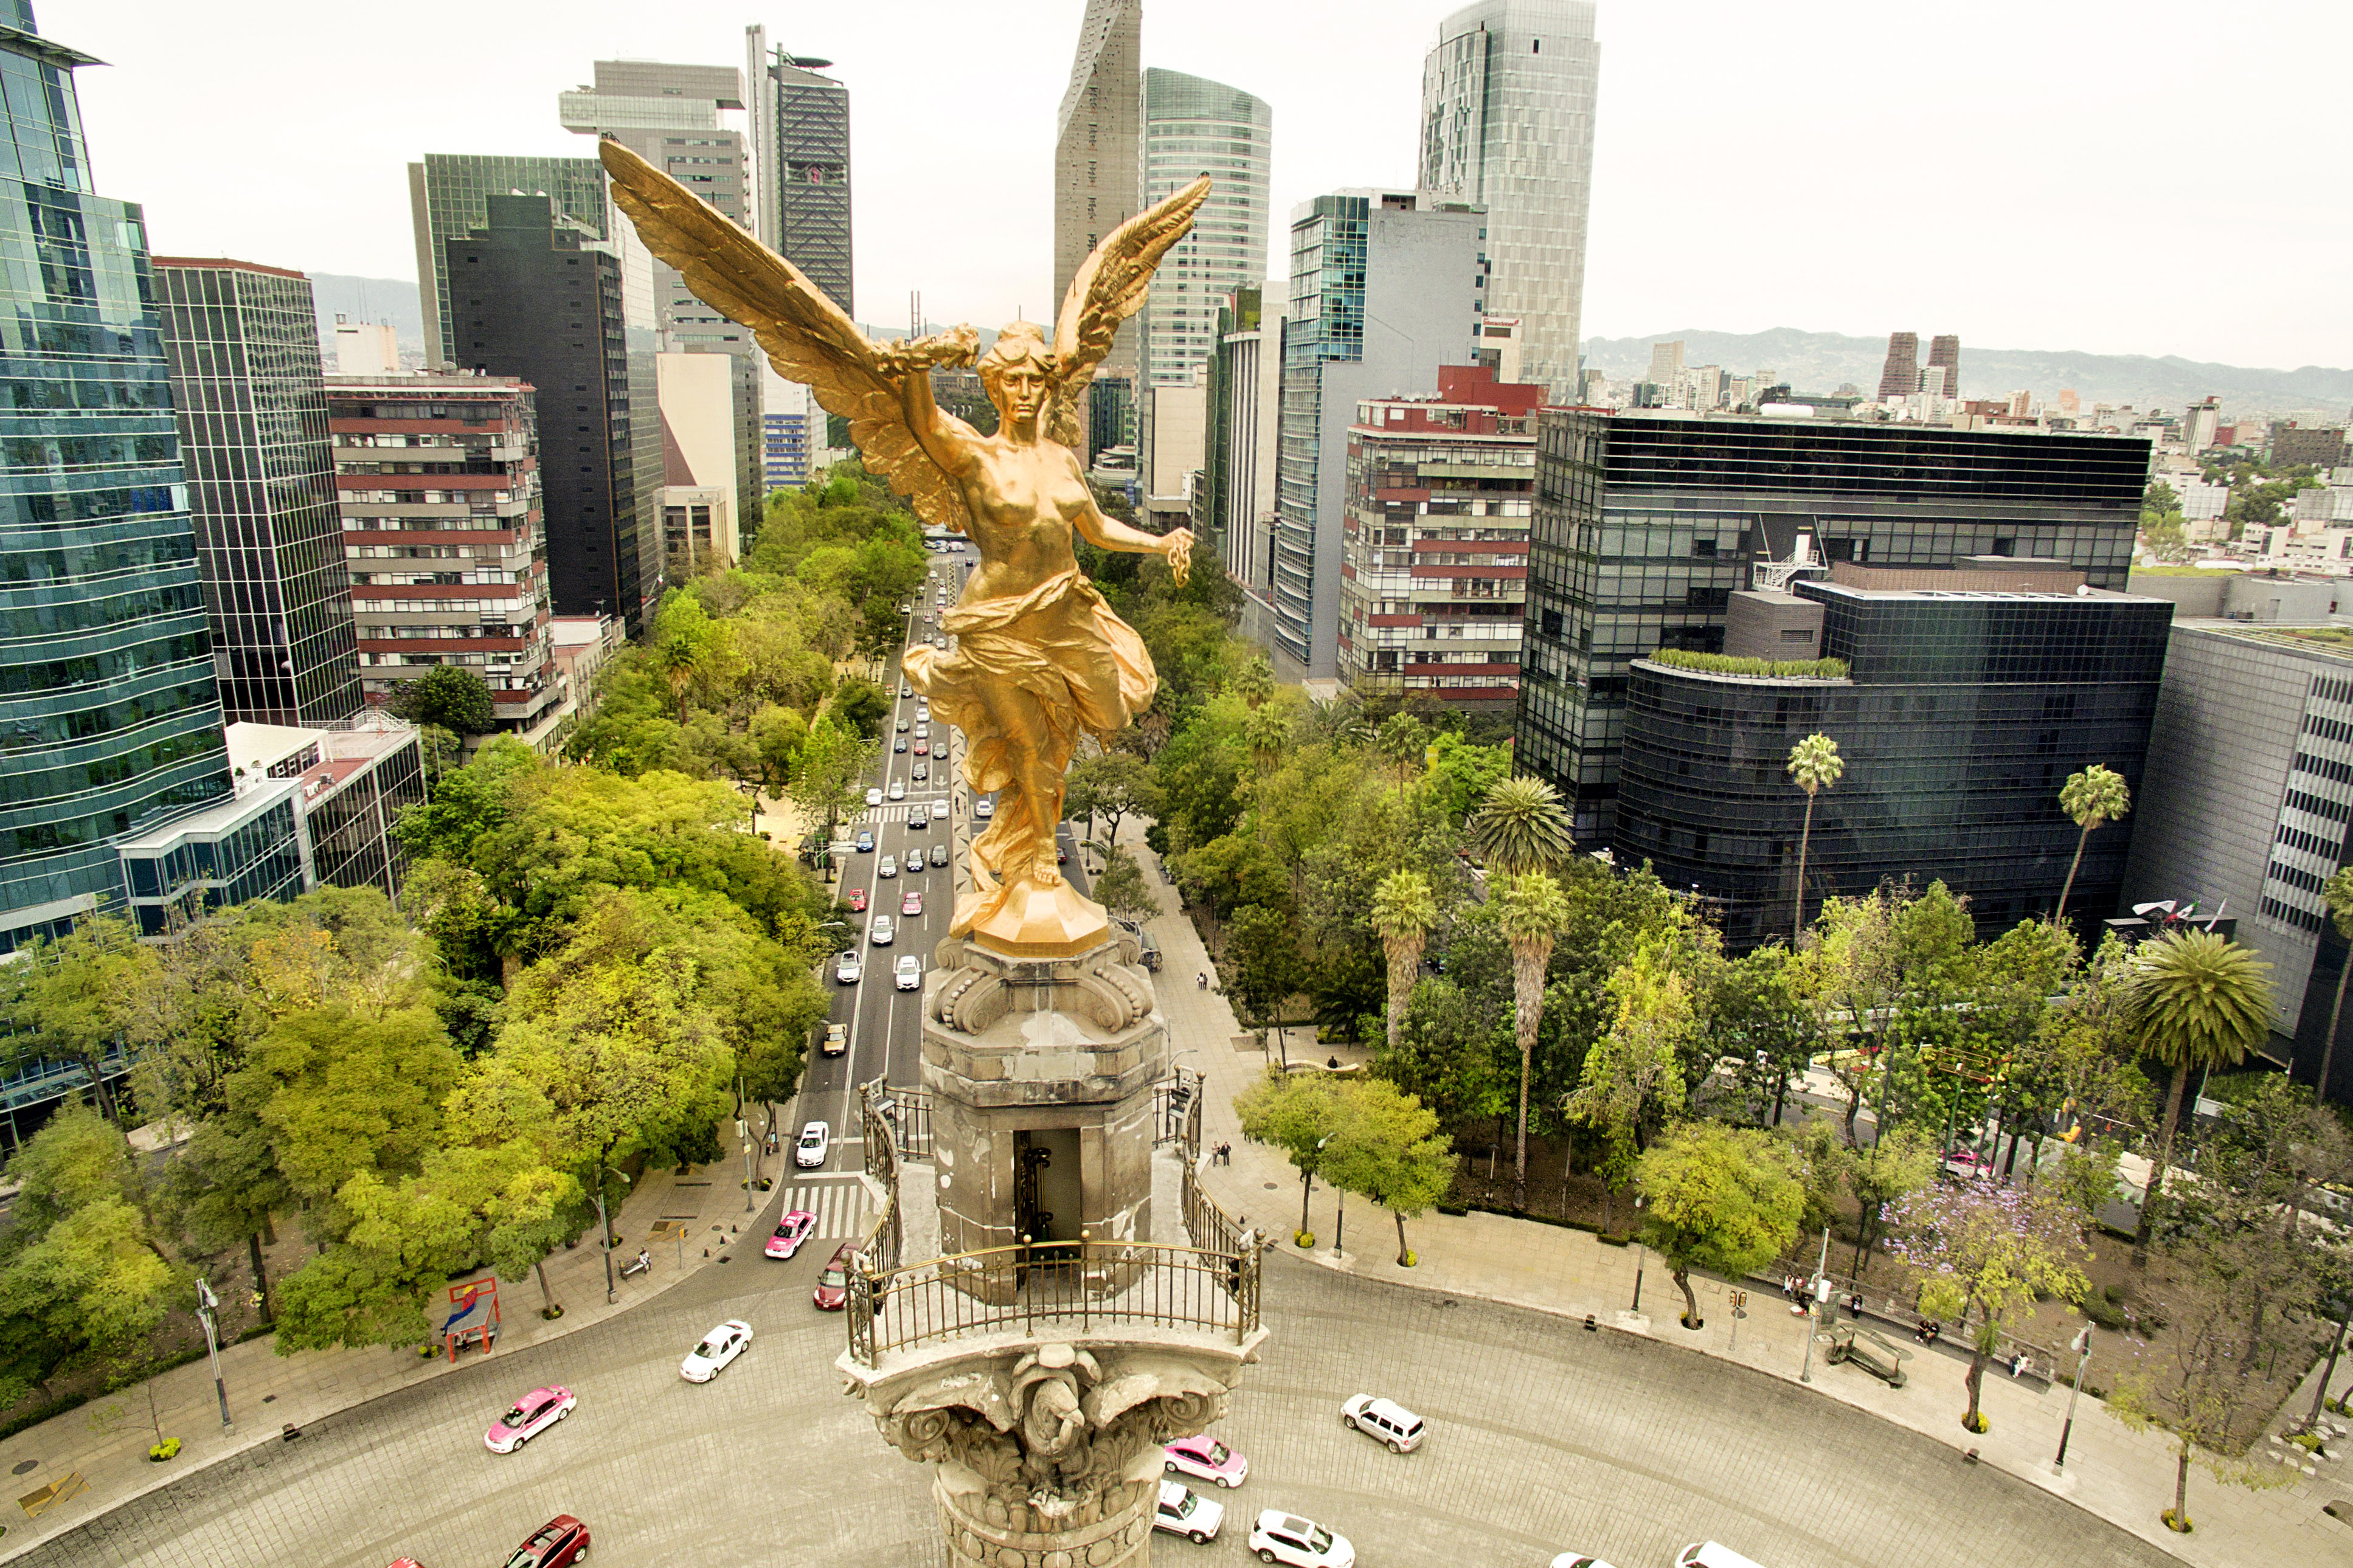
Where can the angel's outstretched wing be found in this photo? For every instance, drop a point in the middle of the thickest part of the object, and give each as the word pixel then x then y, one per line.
pixel 1108 289
pixel 807 336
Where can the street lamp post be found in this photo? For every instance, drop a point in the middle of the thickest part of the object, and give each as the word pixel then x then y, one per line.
pixel 743 1136
pixel 604 1233
pixel 207 1304
pixel 2343 1309
pixel 1821 1292
pixel 2081 1345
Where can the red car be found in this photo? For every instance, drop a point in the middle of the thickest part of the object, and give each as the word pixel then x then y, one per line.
pixel 560 1542
pixel 858 899
pixel 912 904
pixel 833 1285
pixel 923 748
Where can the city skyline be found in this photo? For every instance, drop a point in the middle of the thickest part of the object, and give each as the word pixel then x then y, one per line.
pixel 1878 88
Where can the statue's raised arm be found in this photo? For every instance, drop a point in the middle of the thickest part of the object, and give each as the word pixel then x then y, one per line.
pixel 1038 658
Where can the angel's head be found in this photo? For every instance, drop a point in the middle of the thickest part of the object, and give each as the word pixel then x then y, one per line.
pixel 1019 372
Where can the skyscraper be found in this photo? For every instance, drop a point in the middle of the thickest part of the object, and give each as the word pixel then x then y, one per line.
pixel 243 343
pixel 109 714
pixel 1194 127
pixel 447 197
pixel 1946 352
pixel 668 115
pixel 1507 104
pixel 1411 266
pixel 537 298
pixel 1900 376
pixel 1098 157
pixel 800 155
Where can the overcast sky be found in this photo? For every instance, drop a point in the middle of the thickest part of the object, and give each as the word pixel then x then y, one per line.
pixel 2158 176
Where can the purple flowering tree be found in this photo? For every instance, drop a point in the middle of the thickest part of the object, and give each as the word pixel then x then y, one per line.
pixel 1986 1250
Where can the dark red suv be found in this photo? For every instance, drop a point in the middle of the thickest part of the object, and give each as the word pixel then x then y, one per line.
pixel 833 1281
pixel 560 1542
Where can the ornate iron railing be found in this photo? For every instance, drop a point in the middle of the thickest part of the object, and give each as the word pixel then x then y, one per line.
pixel 881 1245
pixel 1058 1287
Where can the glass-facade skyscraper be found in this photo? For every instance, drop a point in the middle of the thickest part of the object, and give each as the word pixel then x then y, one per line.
pixel 243 343
pixel 1192 127
pixel 800 155
pixel 1507 104
pixel 1098 161
pixel 110 718
pixel 449 198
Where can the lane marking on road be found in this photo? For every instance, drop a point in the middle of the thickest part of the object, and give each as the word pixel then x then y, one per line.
pixel 840 1210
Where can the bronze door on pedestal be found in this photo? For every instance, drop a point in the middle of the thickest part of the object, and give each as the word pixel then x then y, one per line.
pixel 1046 1193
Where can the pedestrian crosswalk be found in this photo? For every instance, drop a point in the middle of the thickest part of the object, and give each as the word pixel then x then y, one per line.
pixel 839 1207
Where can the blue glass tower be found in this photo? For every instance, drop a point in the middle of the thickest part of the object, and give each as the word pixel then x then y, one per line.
pixel 110 720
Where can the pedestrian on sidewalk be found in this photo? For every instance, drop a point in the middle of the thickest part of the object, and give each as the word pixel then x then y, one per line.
pixel 1201 980
pixel 1854 1305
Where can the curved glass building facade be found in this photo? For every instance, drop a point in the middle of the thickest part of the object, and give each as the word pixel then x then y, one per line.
pixel 110 720
pixel 1193 126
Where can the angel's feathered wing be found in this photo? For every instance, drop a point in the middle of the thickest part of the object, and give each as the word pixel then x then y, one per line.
pixel 807 336
pixel 1108 289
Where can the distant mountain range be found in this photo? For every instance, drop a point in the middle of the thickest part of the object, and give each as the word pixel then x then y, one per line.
pixel 1820 362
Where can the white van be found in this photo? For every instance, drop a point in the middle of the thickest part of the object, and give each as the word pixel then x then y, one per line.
pixel 1711 1555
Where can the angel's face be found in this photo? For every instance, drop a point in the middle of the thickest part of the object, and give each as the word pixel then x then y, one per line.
pixel 1020 392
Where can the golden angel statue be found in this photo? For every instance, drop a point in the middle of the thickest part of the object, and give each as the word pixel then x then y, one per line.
pixel 1039 657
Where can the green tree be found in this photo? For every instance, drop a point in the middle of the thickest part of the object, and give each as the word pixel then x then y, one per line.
pixel 1403 912
pixel 1719 1198
pixel 2198 1001
pixel 1402 740
pixel 1297 1115
pixel 1462 775
pixel 1389 1149
pixel 1632 1075
pixel 830 779
pixel 862 704
pixel 1447 1054
pixel 2159 499
pixel 448 695
pixel 1530 911
pixel 1892 1167
pixel 2093 798
pixel 76 998
pixel 1122 889
pixel 1522 827
pixel 1266 965
pixel 2337 894
pixel 1269 731
pixel 1111 784
pixel 1253 682
pixel 1988 1250
pixel 1762 1028
pixel 1815 764
pixel 683 646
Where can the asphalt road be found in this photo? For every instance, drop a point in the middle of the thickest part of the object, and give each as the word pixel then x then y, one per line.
pixel 1544 1438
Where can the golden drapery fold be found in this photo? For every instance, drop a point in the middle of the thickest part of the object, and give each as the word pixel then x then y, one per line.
pixel 1083 667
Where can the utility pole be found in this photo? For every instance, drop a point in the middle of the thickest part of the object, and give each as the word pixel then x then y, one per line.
pixel 2081 1345
pixel 207 1304
pixel 1821 1292
pixel 743 1136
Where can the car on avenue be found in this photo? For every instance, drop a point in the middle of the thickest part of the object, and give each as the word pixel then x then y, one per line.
pixel 848 968
pixel 922 774
pixel 898 789
pixel 923 748
pixel 865 841
pixel 529 1417
pixel 923 726
pixel 833 1280
pixel 1385 1422
pixel 816 1139
pixel 1296 1542
pixel 901 726
pixel 1183 1512
pixel 911 902
pixel 939 854
pixel 1204 1459
pixel 879 933
pixel 559 1543
pixel 917 816
pixel 1712 1554
pixel 1577 1560
pixel 899 745
pixel 983 809
pixel 720 1346
pixel 857 901
pixel 909 974
pixel 836 1040
pixel 791 1231
pixel 906 689
pixel 889 867
pixel 939 810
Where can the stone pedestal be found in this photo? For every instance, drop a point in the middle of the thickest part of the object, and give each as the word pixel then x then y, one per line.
pixel 1041 1065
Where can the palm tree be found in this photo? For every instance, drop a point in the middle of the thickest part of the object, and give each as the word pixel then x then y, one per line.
pixel 2198 1001
pixel 2338 894
pixel 1522 827
pixel 1253 682
pixel 2094 797
pixel 1268 732
pixel 1530 911
pixel 1401 739
pixel 1815 764
pixel 1403 912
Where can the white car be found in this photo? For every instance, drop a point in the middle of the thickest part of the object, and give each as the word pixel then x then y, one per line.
pixel 888 866
pixel 874 797
pixel 1577 1560
pixel 720 1346
pixel 849 967
pixel 983 809
pixel 1279 1537
pixel 939 809
pixel 923 730
pixel 816 1139
pixel 898 789
pixel 910 973
pixel 1384 1422
pixel 1182 1512
pixel 879 933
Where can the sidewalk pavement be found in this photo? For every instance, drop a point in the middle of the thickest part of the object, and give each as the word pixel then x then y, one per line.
pixel 2124 1476
pixel 685 1221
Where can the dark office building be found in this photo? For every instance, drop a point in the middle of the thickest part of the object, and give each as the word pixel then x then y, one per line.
pixel 1965 709
pixel 800 137
pixel 534 297
pixel 1900 376
pixel 2321 445
pixel 110 720
pixel 1647 524
pixel 243 343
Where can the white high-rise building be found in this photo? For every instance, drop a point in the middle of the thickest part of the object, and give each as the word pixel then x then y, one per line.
pixel 1193 127
pixel 1507 100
